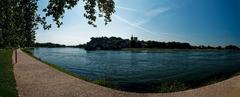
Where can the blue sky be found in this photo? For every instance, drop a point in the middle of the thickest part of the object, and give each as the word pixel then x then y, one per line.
pixel 199 22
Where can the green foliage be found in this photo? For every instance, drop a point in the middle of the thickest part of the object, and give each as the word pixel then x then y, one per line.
pixel 17 22
pixel 103 82
pixel 104 43
pixel 7 80
pixel 56 9
pixel 19 18
pixel 232 47
pixel 115 43
pixel 48 45
pixel 100 82
pixel 7 23
pixel 171 87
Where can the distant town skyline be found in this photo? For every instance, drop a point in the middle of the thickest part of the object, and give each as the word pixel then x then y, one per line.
pixel 202 22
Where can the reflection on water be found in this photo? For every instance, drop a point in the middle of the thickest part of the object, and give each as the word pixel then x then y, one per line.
pixel 125 68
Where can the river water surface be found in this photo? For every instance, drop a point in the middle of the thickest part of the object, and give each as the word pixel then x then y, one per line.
pixel 139 70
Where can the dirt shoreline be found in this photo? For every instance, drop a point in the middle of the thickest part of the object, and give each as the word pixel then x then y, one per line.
pixel 36 79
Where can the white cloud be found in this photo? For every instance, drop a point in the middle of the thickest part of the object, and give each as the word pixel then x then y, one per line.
pixel 134 25
pixel 126 8
pixel 148 16
pixel 157 11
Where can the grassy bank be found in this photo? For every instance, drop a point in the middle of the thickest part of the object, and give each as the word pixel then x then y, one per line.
pixel 7 80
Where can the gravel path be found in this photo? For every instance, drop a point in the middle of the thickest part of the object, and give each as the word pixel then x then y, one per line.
pixel 36 79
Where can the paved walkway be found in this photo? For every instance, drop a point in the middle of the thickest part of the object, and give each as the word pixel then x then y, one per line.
pixel 36 79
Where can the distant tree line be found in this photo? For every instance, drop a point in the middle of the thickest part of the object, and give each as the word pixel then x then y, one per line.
pixel 104 43
pixel 80 46
pixel 116 43
pixel 55 45
pixel 50 45
pixel 231 47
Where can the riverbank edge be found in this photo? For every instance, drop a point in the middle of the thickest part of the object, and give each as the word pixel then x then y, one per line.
pixel 26 50
pixel 98 82
pixel 162 49
pixel 175 87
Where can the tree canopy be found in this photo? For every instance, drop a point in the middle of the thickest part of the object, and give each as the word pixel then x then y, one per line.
pixel 116 43
pixel 19 18
pixel 56 9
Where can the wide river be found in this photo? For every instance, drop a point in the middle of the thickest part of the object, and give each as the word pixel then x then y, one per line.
pixel 133 70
